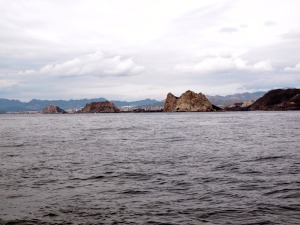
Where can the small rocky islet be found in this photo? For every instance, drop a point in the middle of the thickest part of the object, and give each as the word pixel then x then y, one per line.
pixel 274 100
pixel 53 109
pixel 99 107
pixel 188 102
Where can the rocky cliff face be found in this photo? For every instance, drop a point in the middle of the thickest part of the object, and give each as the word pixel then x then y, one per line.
pixel 53 109
pixel 100 107
pixel 277 100
pixel 247 103
pixel 188 102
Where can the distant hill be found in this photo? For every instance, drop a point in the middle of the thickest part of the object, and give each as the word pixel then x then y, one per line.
pixel 278 100
pixel 38 105
pixel 7 105
pixel 11 105
pixel 236 98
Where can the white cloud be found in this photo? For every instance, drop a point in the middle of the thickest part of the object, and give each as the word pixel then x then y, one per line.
pixel 263 66
pixel 222 64
pixel 96 64
pixel 295 68
pixel 6 83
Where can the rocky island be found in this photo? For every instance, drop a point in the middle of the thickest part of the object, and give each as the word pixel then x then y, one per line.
pixel 188 102
pixel 100 107
pixel 53 109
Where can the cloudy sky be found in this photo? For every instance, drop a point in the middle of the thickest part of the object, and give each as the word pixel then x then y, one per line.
pixel 136 49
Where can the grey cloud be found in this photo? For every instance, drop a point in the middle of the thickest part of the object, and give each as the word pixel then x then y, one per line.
pixel 270 23
pixel 282 54
pixel 228 30
pixel 195 21
pixel 292 35
pixel 295 68
pixel 273 81
pixel 8 83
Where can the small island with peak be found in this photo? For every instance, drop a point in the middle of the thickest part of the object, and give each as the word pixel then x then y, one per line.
pixel 53 109
pixel 99 107
pixel 188 102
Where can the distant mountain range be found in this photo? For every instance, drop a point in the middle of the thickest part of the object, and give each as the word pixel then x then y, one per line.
pixel 236 98
pixel 38 105
pixel 7 105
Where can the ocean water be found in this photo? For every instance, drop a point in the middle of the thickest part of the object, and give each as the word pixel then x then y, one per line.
pixel 156 168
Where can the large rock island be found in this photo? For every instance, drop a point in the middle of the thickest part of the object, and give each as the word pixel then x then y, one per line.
pixel 188 102
pixel 100 107
pixel 278 100
pixel 53 109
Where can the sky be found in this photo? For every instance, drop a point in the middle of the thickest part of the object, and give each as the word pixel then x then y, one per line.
pixel 137 49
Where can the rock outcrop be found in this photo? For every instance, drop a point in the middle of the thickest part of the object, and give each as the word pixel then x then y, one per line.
pixel 100 107
pixel 53 109
pixel 278 100
pixel 247 103
pixel 188 102
pixel 241 106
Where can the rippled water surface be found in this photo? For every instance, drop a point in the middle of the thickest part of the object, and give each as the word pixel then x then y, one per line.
pixel 159 168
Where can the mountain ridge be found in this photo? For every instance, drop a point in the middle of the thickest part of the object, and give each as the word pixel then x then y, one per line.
pixel 14 105
pixel 234 98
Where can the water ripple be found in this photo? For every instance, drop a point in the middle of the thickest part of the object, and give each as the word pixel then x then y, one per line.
pixel 185 168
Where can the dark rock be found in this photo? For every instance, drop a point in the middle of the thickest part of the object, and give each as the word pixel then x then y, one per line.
pixel 53 109
pixel 188 102
pixel 100 107
pixel 241 106
pixel 247 103
pixel 278 100
pixel 217 108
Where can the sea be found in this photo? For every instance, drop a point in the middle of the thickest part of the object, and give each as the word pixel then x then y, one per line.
pixel 150 168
